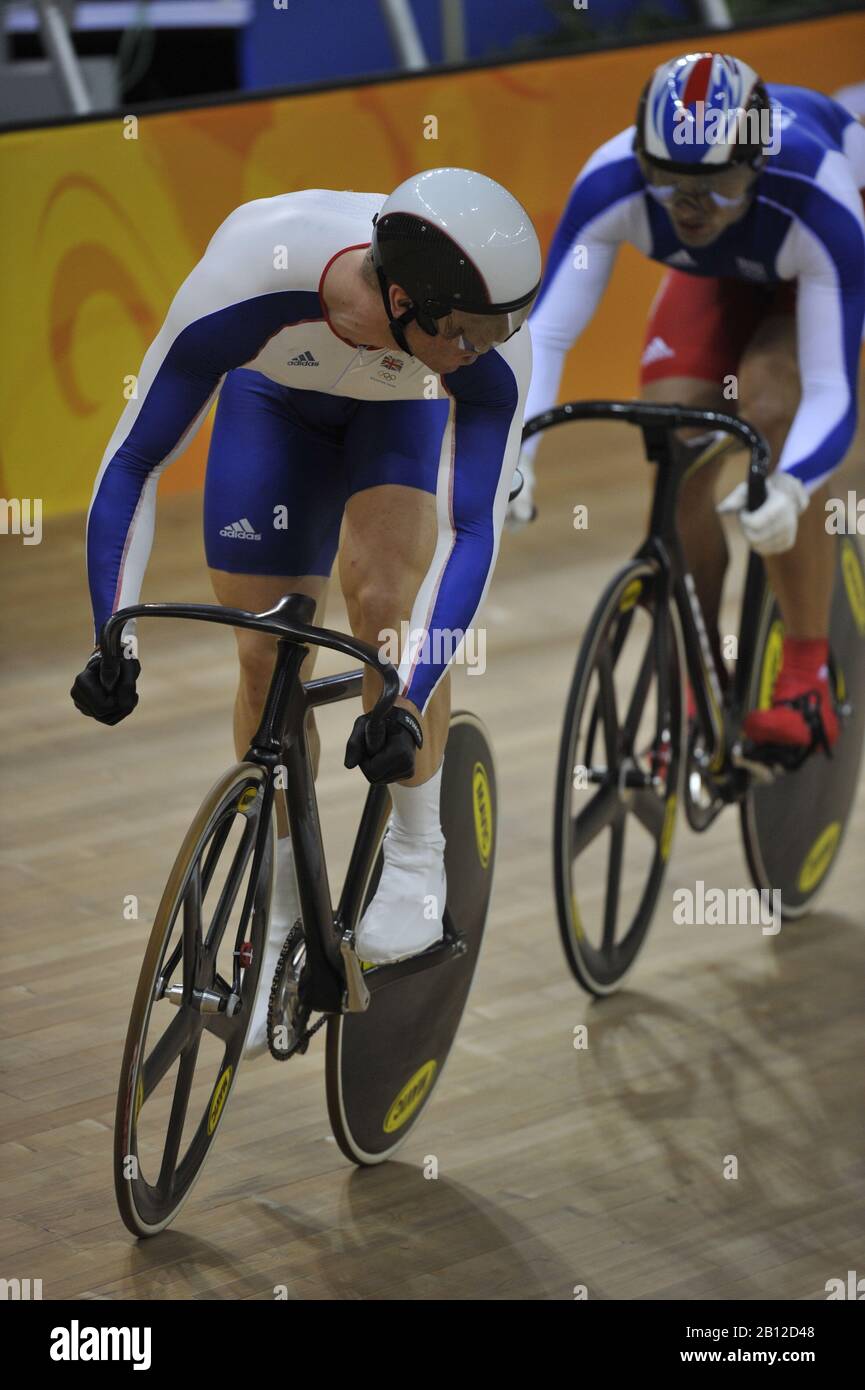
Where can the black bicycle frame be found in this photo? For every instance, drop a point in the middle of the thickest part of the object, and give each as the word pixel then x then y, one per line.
pixel 280 740
pixel 663 548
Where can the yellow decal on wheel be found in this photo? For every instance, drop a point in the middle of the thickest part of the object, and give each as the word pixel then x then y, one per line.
pixel 220 1095
pixel 772 653
pixel 819 857
pixel 139 1098
pixel 412 1095
pixel 854 583
pixel 246 799
pixel 668 827
pixel 482 802
pixel 576 918
pixel 631 594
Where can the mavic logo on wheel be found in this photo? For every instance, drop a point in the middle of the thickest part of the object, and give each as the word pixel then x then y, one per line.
pixel 246 800
pixel 241 531
pixel 772 657
pixel 220 1096
pixel 851 569
pixel 630 595
pixel 410 1097
pixel 819 857
pixel 483 808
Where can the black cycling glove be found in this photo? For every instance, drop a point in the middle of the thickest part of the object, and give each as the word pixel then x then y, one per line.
pixel 385 750
pixel 107 696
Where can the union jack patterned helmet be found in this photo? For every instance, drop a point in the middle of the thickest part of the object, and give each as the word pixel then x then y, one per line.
pixel 695 114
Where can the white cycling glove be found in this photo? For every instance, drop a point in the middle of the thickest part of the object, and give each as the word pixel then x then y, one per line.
pixel 771 529
pixel 522 510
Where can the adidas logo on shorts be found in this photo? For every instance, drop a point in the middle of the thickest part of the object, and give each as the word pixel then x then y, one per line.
pixel 303 359
pixel 656 351
pixel 241 531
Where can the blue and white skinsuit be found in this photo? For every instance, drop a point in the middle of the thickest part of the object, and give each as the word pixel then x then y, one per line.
pixel 305 419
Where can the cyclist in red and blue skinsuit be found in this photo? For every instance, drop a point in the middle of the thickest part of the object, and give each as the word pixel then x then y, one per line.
pixel 763 301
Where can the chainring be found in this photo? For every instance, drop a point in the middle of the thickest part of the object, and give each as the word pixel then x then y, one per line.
pixel 287 1017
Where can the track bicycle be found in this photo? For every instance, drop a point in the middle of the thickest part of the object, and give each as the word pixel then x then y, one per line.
pixel 389 1027
pixel 629 755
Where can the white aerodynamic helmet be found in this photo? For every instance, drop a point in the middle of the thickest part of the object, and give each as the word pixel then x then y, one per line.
pixel 455 239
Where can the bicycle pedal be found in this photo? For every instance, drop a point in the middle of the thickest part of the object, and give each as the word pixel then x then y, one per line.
pixel 767 761
pixel 757 768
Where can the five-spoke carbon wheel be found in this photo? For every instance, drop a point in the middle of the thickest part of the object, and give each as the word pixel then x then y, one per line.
pixel 193 1002
pixel 616 789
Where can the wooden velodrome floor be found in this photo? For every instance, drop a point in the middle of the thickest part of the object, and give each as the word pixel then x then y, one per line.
pixel 557 1167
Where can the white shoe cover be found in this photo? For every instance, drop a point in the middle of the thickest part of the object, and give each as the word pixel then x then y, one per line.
pixel 283 916
pixel 406 914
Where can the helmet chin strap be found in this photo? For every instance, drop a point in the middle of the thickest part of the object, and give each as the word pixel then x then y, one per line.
pixel 398 326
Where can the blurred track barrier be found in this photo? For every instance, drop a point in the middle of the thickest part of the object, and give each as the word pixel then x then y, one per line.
pixel 103 219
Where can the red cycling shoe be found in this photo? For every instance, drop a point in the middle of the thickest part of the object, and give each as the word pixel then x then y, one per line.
pixel 802 714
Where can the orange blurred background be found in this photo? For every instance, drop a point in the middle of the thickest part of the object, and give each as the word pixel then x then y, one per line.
pixel 100 229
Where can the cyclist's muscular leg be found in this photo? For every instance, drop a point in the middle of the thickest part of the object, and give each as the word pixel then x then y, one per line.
pixel 802 576
pixel 389 536
pixel 257 652
pixel 388 541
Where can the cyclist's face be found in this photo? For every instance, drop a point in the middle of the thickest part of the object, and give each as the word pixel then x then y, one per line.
pixel 460 341
pixel 701 207
pixel 473 334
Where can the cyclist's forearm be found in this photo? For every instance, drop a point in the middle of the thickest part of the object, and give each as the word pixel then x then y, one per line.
pixel 830 306
pixel 821 433
pixel 121 518
pixel 565 308
pixel 548 365
pixel 454 588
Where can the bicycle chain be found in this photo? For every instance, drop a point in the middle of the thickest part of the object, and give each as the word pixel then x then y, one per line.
pixel 300 1044
pixel 303 1041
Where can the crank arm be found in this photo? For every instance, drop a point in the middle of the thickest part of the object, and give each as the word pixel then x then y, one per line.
pixel 356 993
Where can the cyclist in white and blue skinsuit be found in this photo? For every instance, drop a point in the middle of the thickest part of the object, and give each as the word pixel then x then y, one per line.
pixel 374 386
pixel 764 243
